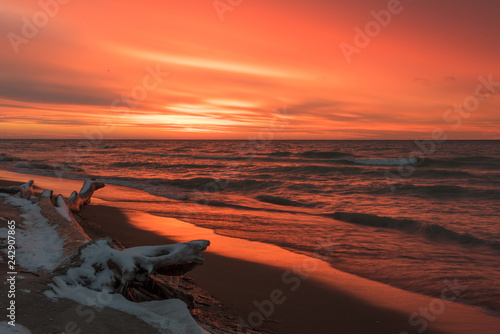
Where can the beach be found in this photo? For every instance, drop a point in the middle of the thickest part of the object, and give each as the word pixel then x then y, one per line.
pixel 283 293
pixel 41 315
pixel 249 167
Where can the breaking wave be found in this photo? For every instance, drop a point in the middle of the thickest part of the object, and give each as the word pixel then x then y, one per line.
pixel 431 230
pixel 385 162
pixel 278 200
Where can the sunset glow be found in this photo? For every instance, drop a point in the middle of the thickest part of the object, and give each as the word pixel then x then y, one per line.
pixel 176 70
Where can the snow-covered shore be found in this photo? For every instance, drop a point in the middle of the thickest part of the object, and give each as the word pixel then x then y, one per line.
pixel 89 275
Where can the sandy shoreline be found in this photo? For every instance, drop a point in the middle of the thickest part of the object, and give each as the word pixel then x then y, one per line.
pixel 313 307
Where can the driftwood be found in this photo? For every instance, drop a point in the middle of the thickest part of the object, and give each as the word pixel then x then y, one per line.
pixel 10 190
pixel 25 190
pixel 130 272
pixel 55 210
pixel 77 200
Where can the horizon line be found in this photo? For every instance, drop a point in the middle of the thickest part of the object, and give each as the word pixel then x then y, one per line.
pixel 248 139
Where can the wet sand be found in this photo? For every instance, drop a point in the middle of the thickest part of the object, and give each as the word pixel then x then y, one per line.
pixel 311 308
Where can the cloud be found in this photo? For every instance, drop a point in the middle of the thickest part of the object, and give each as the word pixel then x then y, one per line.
pixel 423 81
pixel 323 109
pixel 51 121
pixel 38 91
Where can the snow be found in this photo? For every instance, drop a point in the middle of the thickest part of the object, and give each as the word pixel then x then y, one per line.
pixel 62 208
pixel 168 316
pixel 47 193
pixel 95 255
pixel 91 287
pixel 86 187
pixel 27 185
pixel 73 196
pixel 5 328
pixel 39 247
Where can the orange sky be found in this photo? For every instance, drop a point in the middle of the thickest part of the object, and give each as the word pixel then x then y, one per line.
pixel 226 78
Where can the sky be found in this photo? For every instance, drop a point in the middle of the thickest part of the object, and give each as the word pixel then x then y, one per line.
pixel 238 69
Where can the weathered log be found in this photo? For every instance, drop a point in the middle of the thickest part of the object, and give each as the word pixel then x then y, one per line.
pixel 124 271
pixel 25 190
pixel 9 190
pixel 77 200
pixel 130 272
pixel 148 260
pixel 92 269
pixel 161 289
pixel 61 218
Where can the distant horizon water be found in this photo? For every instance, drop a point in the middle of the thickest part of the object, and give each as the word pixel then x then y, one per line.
pixel 241 139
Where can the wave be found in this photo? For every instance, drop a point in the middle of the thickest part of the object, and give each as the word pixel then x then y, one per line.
pixel 57 167
pixel 443 173
pixel 431 230
pixel 293 170
pixel 278 200
pixel 198 156
pixel 41 165
pixel 195 166
pixel 439 191
pixel 128 164
pixel 192 183
pixel 484 162
pixel 221 204
pixel 252 184
pixel 384 162
pixel 157 165
pixel 226 205
pixel 154 154
pixel 8 158
pixel 432 190
pixel 280 154
pixel 219 157
pixel 324 155
pixel 211 185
